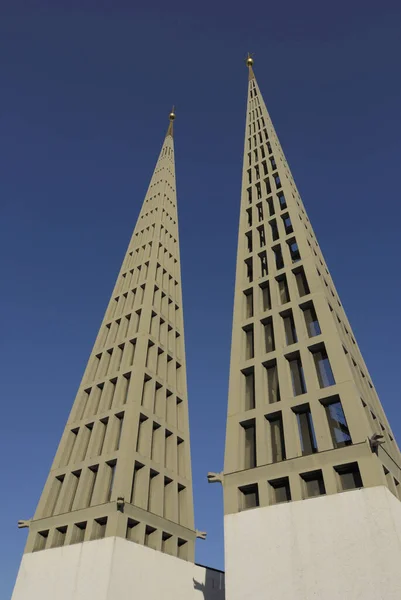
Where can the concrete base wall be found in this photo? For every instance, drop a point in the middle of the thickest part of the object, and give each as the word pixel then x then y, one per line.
pixel 113 569
pixel 343 546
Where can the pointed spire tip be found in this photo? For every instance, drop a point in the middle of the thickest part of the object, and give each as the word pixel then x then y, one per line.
pixel 170 127
pixel 249 64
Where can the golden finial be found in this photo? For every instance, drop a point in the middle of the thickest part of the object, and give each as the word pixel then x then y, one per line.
pixel 249 63
pixel 249 60
pixel 170 125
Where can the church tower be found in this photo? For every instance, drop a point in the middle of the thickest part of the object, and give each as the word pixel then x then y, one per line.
pixel 312 471
pixel 122 471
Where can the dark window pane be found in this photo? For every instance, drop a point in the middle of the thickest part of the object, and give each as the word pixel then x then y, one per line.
pixel 340 434
pixel 323 368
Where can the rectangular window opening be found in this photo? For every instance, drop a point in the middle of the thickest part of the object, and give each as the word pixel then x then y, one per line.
pixel 287 223
pixel 273 388
pixel 264 271
pixel 297 375
pixel 313 484
pixel 262 236
pixel 306 430
pixel 281 199
pixel 248 303
pixel 337 422
pixel 249 241
pixel 311 320
pixel 279 257
pixel 182 546
pixel 150 537
pixel 294 250
pixel 99 528
pixel 249 342
pixel 249 215
pixel 249 270
pixel 274 230
pixel 249 496
pixel 271 206
pixel 59 536
pixel 249 377
pixel 277 180
pixel 277 437
pixel 289 328
pixel 323 367
pixel 266 298
pixel 249 444
pixel 280 490
pixel 349 476
pixel 78 534
pixel 269 335
pixel 41 540
pixel 110 477
pixel 132 530
pixel 284 294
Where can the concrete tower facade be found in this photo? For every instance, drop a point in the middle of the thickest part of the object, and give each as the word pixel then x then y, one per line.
pixel 308 445
pixel 122 472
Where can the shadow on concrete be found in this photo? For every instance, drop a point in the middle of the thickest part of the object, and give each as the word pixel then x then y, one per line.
pixel 213 587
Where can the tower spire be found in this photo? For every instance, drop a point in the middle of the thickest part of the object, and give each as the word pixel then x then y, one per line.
pixel 304 421
pixel 122 472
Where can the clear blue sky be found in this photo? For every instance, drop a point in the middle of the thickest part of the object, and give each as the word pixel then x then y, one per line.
pixel 85 94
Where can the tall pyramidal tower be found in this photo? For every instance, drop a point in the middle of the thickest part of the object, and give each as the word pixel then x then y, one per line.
pixel 122 471
pixel 312 471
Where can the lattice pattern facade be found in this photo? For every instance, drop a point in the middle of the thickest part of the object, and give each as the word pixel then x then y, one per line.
pixel 302 406
pixel 123 464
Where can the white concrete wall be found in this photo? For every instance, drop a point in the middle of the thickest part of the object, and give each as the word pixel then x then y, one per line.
pixel 113 569
pixel 345 546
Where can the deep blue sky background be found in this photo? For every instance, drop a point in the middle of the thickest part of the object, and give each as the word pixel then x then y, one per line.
pixel 85 94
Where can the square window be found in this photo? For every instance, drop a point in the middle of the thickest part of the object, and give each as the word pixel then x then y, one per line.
pixel 313 483
pixel 249 496
pixel 280 490
pixel 349 476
